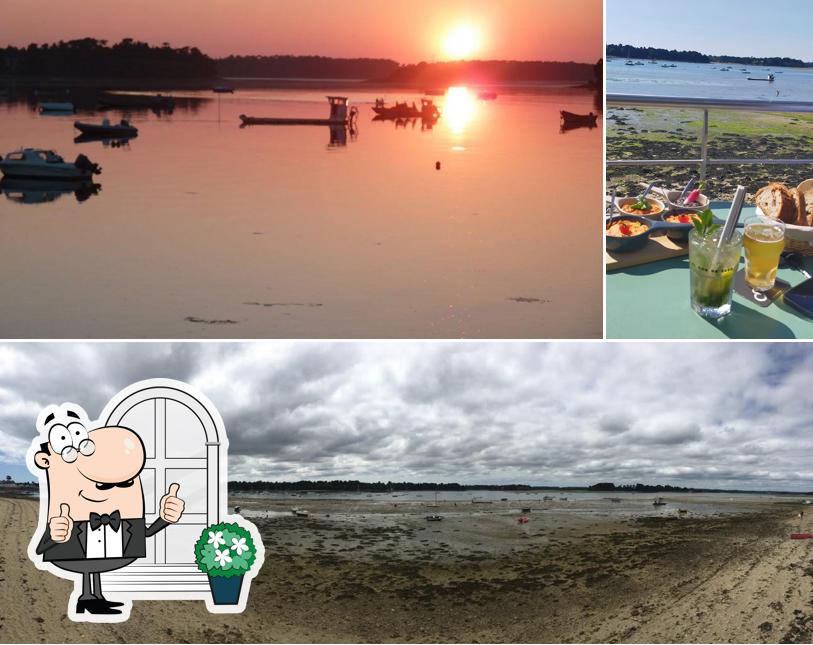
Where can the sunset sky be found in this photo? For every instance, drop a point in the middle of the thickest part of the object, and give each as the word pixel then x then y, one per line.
pixel 407 32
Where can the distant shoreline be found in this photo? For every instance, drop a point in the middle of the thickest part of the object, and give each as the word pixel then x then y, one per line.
pixel 207 84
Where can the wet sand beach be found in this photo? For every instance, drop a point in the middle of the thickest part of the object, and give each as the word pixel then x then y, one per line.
pixel 359 570
pixel 636 133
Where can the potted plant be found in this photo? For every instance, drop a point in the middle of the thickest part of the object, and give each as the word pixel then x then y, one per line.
pixel 225 552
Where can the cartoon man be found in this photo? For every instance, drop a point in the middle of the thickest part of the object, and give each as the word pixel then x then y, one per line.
pixel 95 501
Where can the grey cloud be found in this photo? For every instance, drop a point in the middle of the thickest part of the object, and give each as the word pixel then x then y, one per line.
pixel 540 413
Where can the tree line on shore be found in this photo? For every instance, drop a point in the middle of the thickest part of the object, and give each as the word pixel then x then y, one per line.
pixel 690 56
pixel 129 58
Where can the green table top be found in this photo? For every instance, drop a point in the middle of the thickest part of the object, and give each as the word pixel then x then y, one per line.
pixel 652 301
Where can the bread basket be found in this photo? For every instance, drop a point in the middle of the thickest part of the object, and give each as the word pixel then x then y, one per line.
pixel 797 238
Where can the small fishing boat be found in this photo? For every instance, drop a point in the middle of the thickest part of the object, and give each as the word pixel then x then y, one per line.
pixel 223 89
pixel 299 512
pixel 56 107
pixel 526 510
pixel 769 79
pixel 339 115
pixel 659 502
pixel 434 518
pixel 683 511
pixel 428 110
pixel 34 163
pixel 107 129
pixel 572 120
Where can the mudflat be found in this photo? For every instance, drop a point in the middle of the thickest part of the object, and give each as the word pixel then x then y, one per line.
pixel 350 572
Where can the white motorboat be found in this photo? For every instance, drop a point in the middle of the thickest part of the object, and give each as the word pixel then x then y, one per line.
pixel 35 163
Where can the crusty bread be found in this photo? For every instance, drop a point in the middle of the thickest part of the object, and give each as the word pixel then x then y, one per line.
pixel 779 202
pixel 805 191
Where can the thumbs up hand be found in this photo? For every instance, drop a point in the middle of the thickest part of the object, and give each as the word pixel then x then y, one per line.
pixel 61 526
pixel 171 506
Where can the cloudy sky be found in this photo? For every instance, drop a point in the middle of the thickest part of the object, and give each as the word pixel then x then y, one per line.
pixel 717 415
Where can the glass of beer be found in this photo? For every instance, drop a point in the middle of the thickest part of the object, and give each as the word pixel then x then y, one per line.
pixel 763 242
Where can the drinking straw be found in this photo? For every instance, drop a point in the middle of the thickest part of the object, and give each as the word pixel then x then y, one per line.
pixel 733 217
pixel 686 190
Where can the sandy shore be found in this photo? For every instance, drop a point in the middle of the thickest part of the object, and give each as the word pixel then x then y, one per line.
pixel 635 133
pixel 342 575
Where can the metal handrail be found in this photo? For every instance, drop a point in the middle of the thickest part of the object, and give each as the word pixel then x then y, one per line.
pixel 746 105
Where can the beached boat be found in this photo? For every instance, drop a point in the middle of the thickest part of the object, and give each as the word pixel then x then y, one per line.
pixel 683 511
pixel 527 509
pixel 523 519
pixel 434 518
pixel 299 512
pixel 122 129
pixel 56 107
pixel 34 163
pixel 659 502
pixel 155 101
pixel 573 120
pixel 339 115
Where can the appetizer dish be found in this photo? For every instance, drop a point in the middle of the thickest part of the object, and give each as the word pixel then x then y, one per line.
pixel 687 217
pixel 623 227
pixel 645 207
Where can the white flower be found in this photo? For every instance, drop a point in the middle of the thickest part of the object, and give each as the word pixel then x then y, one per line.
pixel 239 545
pixel 222 557
pixel 216 538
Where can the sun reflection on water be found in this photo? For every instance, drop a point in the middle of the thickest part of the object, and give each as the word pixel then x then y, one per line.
pixel 459 109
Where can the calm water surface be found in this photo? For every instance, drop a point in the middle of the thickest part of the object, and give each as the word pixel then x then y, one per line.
pixel 204 229
pixel 706 80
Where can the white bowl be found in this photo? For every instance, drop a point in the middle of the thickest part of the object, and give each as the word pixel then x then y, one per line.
pixel 671 198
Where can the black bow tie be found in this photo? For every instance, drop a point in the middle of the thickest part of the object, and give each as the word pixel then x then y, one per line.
pixel 114 520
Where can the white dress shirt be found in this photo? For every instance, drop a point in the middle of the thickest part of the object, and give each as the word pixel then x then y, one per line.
pixel 104 542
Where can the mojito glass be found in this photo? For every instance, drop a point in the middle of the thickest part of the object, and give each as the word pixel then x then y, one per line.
pixel 712 272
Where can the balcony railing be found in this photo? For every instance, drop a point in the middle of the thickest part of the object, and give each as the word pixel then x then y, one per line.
pixel 704 161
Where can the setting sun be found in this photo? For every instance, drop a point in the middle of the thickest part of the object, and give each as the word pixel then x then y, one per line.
pixel 461 42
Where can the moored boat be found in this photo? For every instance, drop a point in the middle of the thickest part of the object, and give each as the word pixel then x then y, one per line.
pixel 434 518
pixel 223 89
pixel 107 129
pixel 339 115
pixel 428 110
pixel 53 106
pixel 571 119
pixel 35 163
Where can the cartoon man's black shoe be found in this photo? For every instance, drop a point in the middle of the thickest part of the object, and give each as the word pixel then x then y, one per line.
pixel 96 606
pixel 111 603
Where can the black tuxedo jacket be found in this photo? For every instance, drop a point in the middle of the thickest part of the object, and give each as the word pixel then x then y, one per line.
pixel 134 540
